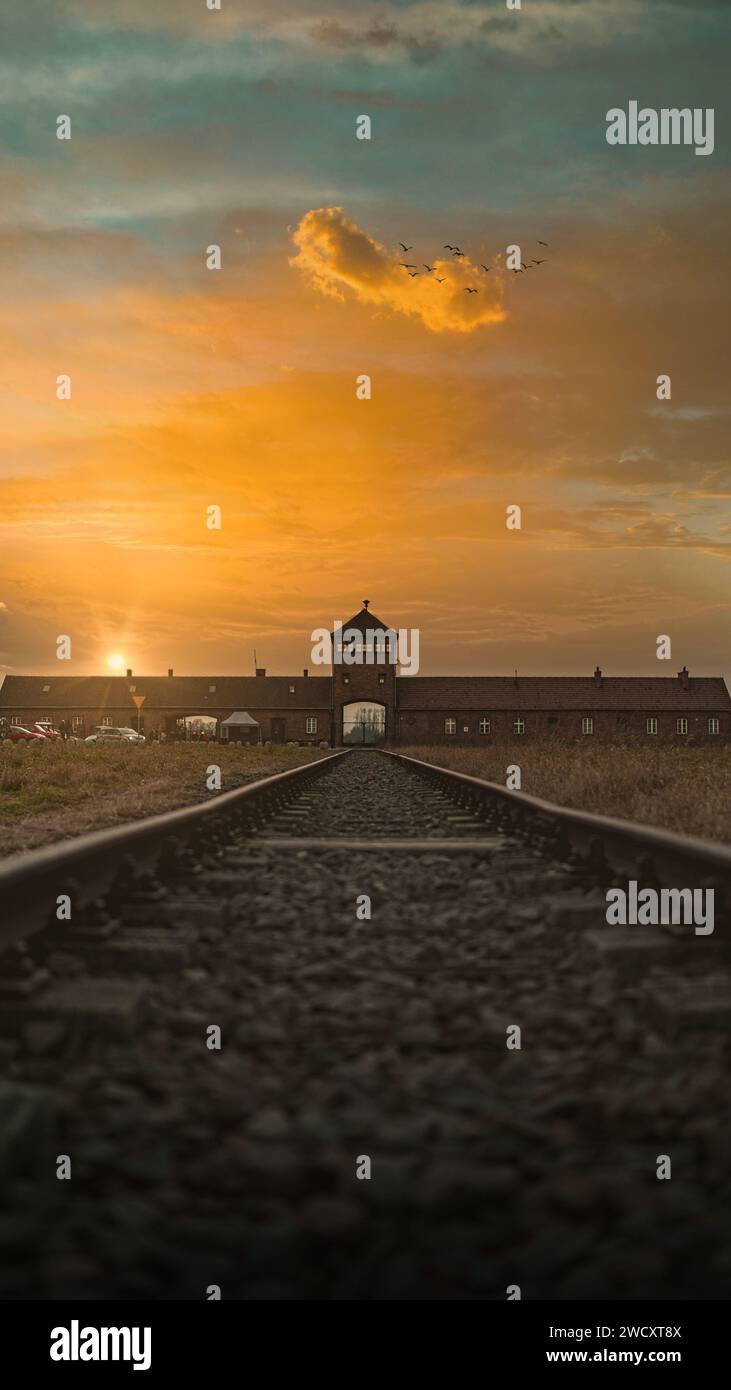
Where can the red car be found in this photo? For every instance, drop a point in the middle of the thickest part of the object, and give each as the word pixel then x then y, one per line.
pixel 17 734
pixel 45 729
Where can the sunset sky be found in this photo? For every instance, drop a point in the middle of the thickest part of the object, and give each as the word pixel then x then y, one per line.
pixel 237 387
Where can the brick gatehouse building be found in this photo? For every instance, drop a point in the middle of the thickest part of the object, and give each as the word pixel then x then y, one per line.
pixel 371 703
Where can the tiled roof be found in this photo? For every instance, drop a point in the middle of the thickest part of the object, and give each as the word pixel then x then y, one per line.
pixel 364 620
pixel 487 693
pixel 192 694
pixel 186 693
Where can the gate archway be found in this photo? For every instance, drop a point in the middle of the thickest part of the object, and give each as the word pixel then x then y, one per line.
pixel 364 723
pixel 193 728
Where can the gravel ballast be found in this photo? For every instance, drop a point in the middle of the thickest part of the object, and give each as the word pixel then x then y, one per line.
pixel 347 1039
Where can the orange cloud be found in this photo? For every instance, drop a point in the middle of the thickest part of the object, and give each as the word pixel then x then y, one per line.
pixel 334 253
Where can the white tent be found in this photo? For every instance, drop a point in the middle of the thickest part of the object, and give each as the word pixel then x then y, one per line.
pixel 238 724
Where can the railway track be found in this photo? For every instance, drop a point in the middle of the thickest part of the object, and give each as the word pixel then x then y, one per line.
pixel 363 937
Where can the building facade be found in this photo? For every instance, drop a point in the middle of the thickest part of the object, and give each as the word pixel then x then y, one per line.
pixel 368 702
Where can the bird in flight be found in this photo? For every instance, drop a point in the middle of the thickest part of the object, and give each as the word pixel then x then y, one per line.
pixel 427 267
pixel 543 243
pixel 439 282
pixel 469 290
pixel 457 252
pixel 539 262
pixel 412 273
pixel 486 268
pixel 447 247
pixel 408 266
pixel 404 247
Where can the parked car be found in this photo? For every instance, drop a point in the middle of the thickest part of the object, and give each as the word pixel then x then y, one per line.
pixel 135 737
pixel 107 733
pixel 46 728
pixel 17 734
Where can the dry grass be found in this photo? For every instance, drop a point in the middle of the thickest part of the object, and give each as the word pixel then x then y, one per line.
pixel 54 790
pixel 687 790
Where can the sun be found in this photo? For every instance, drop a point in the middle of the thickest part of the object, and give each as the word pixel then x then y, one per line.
pixel 115 662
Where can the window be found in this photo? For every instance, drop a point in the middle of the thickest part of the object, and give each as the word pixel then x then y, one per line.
pixel 518 726
pixel 291 690
pixel 311 724
pixel 46 689
pixel 484 726
pixel 76 722
pixel 587 726
pixel 681 726
pixel 450 726
pixel 132 689
pixel 651 726
pixel 346 680
pixel 466 729
pixel 211 690
pixel 107 719
pixel 713 726
pixel 381 680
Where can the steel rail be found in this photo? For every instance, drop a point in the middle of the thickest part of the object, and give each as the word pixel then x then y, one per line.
pixel 603 848
pixel 30 883
pixel 606 848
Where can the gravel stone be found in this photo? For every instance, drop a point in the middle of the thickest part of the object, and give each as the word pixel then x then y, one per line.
pixel 382 1039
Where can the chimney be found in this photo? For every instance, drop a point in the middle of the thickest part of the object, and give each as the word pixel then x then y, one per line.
pixel 515 677
pixel 597 675
pixel 684 678
pixel 261 670
pixel 129 673
pixel 305 672
pixel 170 670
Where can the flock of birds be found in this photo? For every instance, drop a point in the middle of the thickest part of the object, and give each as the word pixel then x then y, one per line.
pixel 458 254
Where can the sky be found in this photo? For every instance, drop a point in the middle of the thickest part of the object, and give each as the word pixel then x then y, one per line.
pixel 237 387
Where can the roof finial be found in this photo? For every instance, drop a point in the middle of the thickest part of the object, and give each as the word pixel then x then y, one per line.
pixel 365 602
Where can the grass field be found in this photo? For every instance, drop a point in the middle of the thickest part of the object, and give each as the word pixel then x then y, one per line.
pixel 687 790
pixel 53 790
